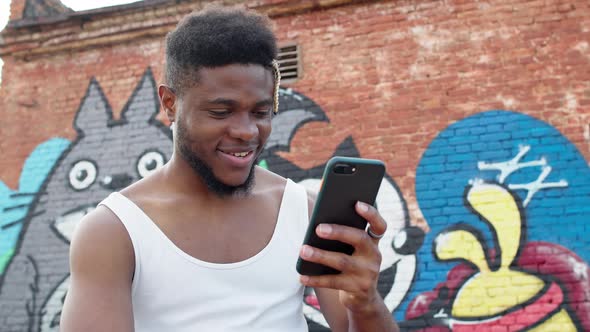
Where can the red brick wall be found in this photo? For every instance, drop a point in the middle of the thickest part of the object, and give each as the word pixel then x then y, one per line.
pixel 16 10
pixel 409 69
pixel 393 75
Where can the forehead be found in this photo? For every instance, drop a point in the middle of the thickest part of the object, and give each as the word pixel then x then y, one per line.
pixel 236 81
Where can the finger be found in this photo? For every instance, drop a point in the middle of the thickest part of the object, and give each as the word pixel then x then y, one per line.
pixel 333 281
pixel 337 281
pixel 376 222
pixel 346 234
pixel 359 265
pixel 338 261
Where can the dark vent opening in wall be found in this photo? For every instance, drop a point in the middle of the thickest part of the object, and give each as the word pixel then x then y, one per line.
pixel 289 63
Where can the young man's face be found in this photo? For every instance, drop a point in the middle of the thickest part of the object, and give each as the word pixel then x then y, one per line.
pixel 223 123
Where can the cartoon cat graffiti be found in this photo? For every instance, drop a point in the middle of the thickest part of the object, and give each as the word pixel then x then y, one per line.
pixel 107 155
pixel 14 204
pixel 110 154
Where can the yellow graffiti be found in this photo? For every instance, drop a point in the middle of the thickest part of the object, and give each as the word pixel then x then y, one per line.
pixel 489 295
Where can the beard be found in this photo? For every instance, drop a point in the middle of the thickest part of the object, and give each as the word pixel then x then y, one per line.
pixel 204 171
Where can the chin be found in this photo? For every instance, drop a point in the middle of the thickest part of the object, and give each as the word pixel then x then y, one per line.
pixel 233 177
pixel 231 183
pixel 234 181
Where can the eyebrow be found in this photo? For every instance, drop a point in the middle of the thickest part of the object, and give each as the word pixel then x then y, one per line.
pixel 223 101
pixel 233 103
pixel 266 102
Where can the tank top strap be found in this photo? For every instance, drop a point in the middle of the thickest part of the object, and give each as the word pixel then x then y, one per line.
pixel 137 223
pixel 139 226
pixel 294 216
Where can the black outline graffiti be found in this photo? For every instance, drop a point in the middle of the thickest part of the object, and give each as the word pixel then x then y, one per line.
pixel 16 222
pixel 72 166
pixel 143 154
pixel 34 287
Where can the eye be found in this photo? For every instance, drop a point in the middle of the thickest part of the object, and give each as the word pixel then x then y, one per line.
pixel 262 113
pixel 149 162
pixel 83 174
pixel 219 113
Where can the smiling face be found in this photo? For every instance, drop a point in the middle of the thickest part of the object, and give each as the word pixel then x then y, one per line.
pixel 223 122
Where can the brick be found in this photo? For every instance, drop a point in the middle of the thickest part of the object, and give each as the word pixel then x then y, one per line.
pixel 376 79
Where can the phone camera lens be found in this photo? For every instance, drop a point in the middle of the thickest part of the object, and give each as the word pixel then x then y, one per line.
pixel 344 169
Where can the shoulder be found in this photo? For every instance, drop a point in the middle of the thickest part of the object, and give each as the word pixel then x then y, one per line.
pixel 99 223
pixel 150 191
pixel 145 186
pixel 101 266
pixel 269 183
pixel 100 238
pixel 275 185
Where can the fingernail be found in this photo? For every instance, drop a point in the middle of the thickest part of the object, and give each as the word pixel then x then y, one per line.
pixel 324 229
pixel 304 279
pixel 363 206
pixel 306 252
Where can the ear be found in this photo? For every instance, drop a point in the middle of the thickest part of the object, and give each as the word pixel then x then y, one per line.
pixel 168 101
pixel 142 105
pixel 94 110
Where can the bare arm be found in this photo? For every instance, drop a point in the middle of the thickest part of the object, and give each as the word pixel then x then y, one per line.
pixel 350 301
pixel 102 264
pixel 376 318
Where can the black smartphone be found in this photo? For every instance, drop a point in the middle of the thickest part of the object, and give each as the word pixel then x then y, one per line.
pixel 345 181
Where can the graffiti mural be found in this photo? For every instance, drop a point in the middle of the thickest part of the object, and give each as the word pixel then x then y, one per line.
pixel 14 205
pixel 507 199
pixel 107 155
pixel 68 180
pixel 400 242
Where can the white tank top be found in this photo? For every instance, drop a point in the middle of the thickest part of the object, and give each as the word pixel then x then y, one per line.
pixel 173 291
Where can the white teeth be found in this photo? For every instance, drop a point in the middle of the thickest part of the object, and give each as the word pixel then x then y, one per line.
pixel 240 154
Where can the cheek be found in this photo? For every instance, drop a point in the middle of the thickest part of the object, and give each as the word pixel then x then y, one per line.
pixel 264 129
pixel 204 130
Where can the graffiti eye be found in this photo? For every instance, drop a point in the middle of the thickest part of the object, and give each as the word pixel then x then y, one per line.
pixel 82 174
pixel 408 241
pixel 149 162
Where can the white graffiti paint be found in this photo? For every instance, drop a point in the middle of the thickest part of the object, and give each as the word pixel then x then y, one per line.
pixel 66 224
pixel 289 92
pixel 580 269
pixel 508 167
pixel 52 308
pixel 533 187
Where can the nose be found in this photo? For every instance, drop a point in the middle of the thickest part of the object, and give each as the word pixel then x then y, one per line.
pixel 243 127
pixel 116 181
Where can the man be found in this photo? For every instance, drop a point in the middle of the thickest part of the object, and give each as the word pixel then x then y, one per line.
pixel 210 241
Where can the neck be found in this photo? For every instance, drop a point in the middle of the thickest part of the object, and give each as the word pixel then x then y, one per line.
pixel 183 179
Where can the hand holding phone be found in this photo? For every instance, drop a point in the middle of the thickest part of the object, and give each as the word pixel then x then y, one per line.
pixel 345 181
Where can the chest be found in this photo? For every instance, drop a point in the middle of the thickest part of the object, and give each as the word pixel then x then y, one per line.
pixel 220 235
pixel 258 294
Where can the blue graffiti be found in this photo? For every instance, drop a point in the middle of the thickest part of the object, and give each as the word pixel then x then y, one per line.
pixel 532 158
pixel 14 205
